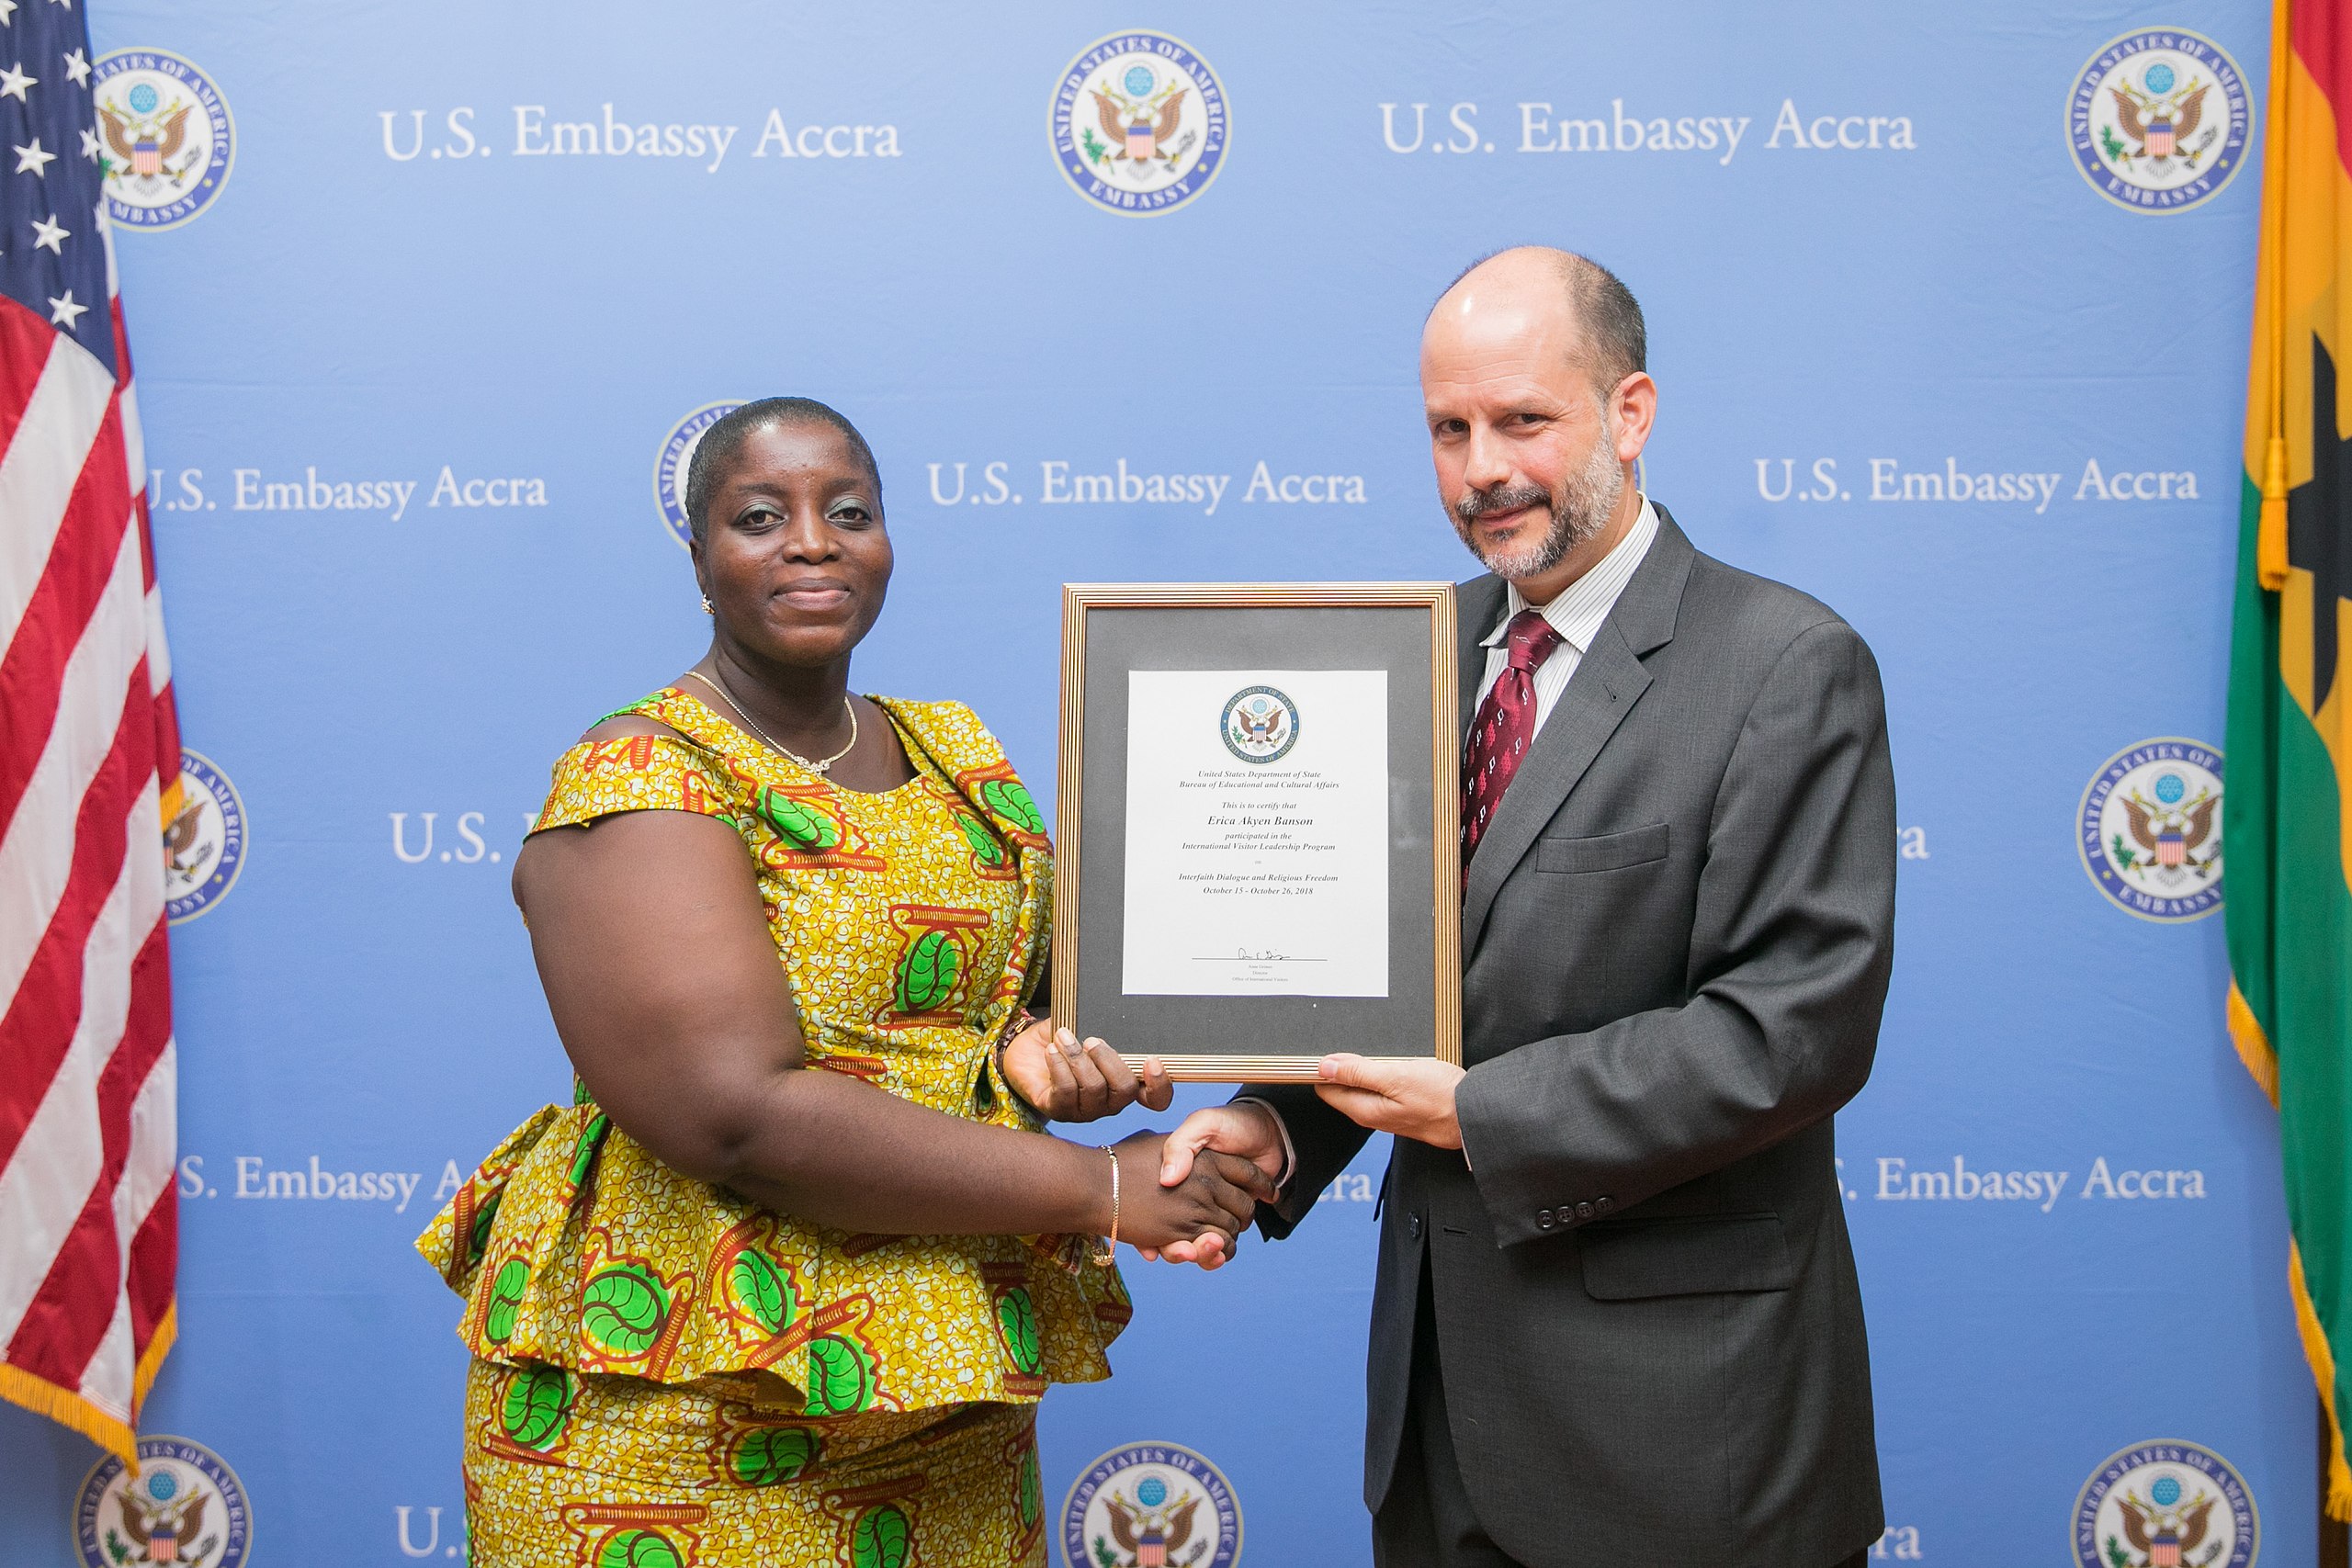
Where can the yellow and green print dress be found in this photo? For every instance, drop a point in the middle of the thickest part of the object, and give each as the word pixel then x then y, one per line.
pixel 666 1375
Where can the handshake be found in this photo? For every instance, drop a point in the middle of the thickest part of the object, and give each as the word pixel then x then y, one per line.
pixel 1187 1196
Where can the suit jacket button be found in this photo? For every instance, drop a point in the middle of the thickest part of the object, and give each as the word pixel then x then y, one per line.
pixel 1543 1219
pixel 1602 1205
pixel 1413 1224
pixel 1584 1211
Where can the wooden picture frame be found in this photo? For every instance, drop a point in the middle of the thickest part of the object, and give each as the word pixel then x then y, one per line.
pixel 1198 633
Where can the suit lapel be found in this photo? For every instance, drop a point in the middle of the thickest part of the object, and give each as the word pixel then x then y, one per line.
pixel 1477 605
pixel 1607 682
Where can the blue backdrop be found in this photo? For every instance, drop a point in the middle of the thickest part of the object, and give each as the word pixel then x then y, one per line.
pixel 1875 259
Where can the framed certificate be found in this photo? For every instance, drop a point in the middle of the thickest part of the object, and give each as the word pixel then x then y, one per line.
pixel 1258 827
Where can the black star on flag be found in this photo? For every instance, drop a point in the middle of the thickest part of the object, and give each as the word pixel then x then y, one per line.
pixel 2319 524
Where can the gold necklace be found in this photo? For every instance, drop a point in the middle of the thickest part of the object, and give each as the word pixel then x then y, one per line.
pixel 819 767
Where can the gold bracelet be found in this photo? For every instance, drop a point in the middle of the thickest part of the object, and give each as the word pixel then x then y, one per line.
pixel 1109 1252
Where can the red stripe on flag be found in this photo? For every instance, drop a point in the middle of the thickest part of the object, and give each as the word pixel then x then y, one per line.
pixel 167 712
pixel 154 1250
pixel 25 341
pixel 146 539
pixel 2319 32
pixel 121 342
pixel 168 707
pixel 90 539
pixel 37 1029
pixel 68 1317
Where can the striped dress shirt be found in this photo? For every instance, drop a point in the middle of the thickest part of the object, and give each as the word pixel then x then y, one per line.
pixel 1577 612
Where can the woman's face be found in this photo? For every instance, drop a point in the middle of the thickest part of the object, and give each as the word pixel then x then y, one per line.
pixel 794 555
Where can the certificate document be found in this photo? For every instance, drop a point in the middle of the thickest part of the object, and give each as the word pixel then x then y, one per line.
pixel 1257 833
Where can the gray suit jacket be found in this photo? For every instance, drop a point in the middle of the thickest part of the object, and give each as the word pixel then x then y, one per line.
pixel 1676 941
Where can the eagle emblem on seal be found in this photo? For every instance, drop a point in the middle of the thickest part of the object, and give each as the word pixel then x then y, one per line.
pixel 1142 129
pixel 2168 832
pixel 160 1528
pixel 148 142
pixel 182 847
pixel 2161 113
pixel 1150 1535
pixel 1260 729
pixel 2165 1535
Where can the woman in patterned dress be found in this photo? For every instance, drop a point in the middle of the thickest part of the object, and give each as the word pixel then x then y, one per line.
pixel 786 1283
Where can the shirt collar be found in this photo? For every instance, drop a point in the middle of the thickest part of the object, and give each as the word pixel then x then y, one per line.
pixel 1578 611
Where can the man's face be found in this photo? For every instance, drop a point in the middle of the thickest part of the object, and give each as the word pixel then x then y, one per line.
pixel 1527 461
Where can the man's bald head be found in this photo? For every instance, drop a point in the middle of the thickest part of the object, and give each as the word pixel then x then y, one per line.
pixel 1605 333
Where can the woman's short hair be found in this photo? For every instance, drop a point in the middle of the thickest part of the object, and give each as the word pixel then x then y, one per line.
pixel 725 438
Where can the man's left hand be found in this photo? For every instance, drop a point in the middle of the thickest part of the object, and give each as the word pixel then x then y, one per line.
pixel 1411 1099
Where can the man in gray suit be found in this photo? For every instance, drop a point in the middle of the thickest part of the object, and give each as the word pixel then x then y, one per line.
pixel 1617 1320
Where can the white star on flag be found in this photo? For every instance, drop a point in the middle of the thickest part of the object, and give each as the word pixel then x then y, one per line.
pixel 13 82
pixel 50 236
pixel 32 160
pixel 63 312
pixel 8 12
pixel 90 145
pixel 77 68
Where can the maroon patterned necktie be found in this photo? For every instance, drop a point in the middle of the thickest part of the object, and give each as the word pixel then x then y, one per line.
pixel 1505 725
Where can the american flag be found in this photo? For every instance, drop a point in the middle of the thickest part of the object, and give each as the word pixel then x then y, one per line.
pixel 89 769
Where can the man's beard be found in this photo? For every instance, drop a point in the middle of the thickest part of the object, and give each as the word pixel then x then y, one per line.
pixel 1585 502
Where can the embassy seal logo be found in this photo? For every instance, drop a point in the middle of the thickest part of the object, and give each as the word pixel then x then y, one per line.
pixel 204 846
pixel 1138 123
pixel 185 1506
pixel 2165 1504
pixel 1152 1505
pixel 2149 829
pixel 170 140
pixel 2159 120
pixel 677 455
pixel 1259 724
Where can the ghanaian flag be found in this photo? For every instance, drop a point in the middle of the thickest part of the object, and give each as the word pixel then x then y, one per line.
pixel 2285 819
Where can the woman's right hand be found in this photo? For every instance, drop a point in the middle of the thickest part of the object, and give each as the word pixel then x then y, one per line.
pixel 1066 1081
pixel 1216 1199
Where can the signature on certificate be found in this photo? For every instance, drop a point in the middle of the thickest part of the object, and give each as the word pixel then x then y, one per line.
pixel 1245 955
